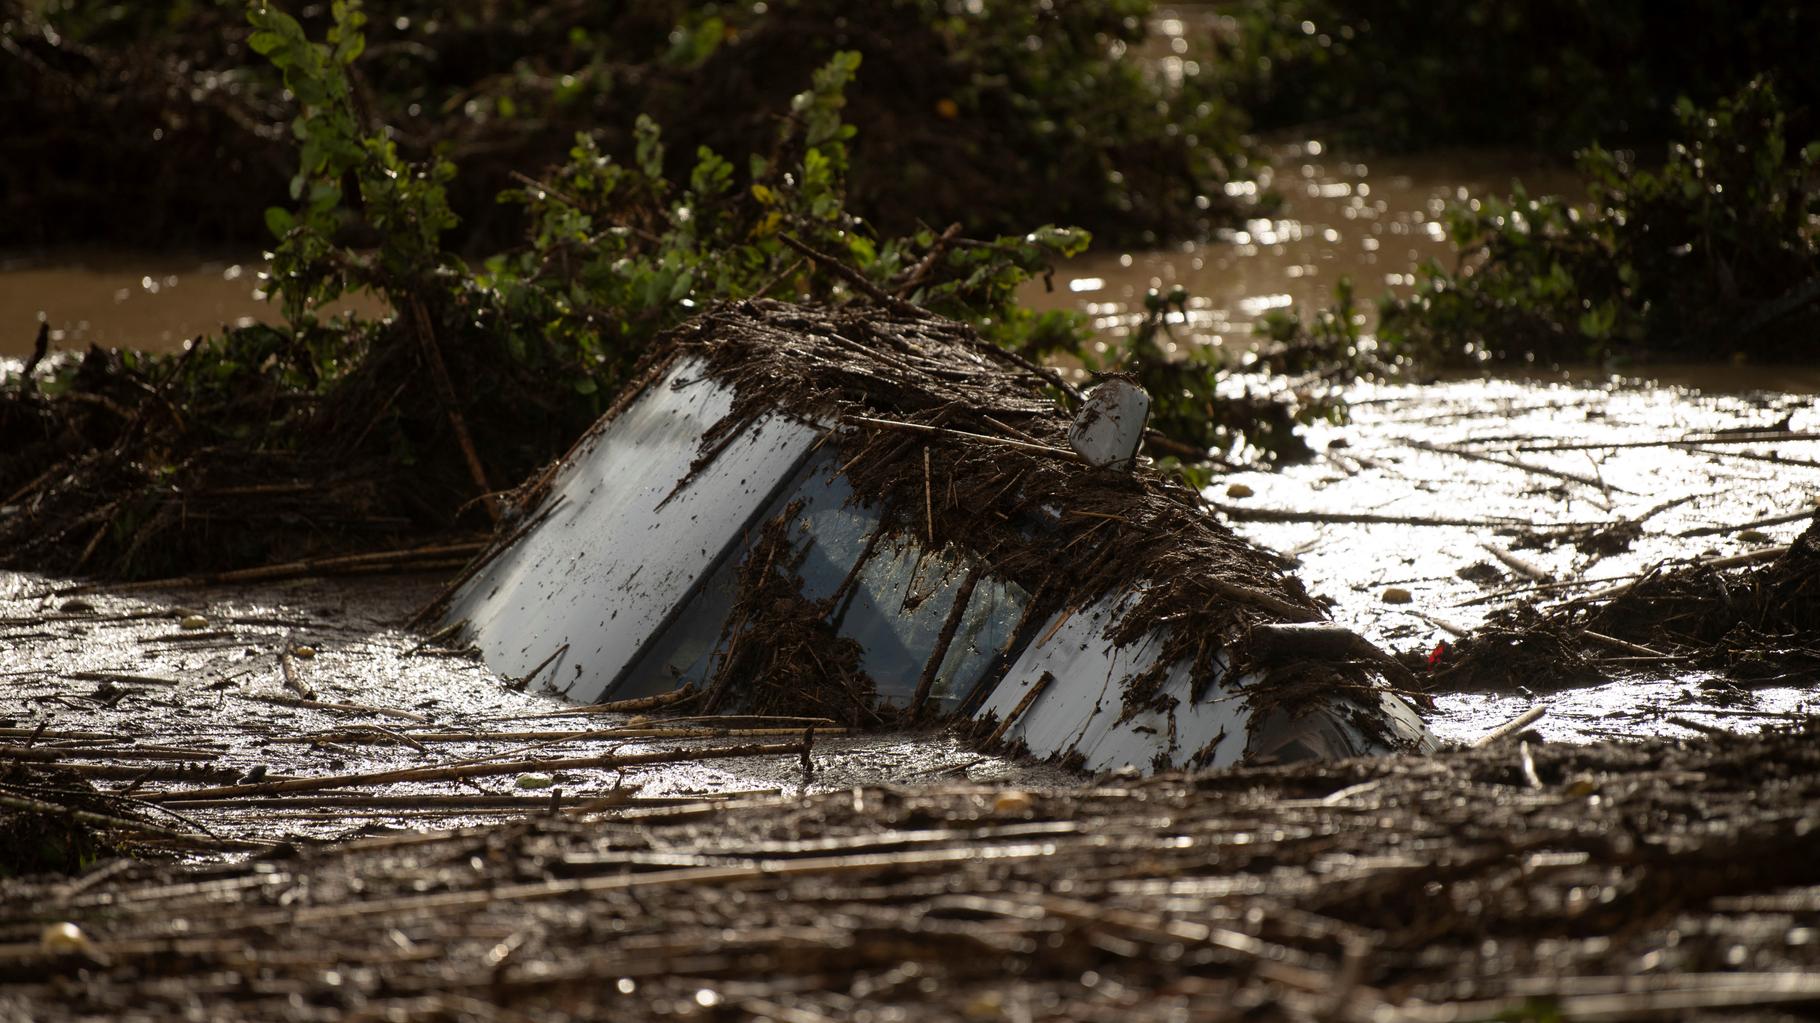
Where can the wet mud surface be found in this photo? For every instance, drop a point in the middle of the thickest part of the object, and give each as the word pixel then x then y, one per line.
pixel 1641 851
pixel 1481 495
pixel 1654 880
pixel 107 675
pixel 316 679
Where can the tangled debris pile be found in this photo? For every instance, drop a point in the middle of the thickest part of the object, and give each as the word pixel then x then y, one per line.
pixel 53 821
pixel 1754 623
pixel 1757 624
pixel 1659 879
pixel 1517 648
pixel 235 454
pixel 796 664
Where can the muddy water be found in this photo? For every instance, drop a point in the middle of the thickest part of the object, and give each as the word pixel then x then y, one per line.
pixel 1374 224
pixel 149 301
pixel 136 301
pixel 1370 222
pixel 120 686
pixel 1469 473
pixel 1341 217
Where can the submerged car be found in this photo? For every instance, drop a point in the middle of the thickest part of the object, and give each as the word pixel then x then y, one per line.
pixel 872 518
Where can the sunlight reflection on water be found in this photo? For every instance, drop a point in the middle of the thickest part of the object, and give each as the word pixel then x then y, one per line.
pixel 1371 223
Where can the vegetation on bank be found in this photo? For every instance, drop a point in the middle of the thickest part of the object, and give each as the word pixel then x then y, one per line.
pixel 539 192
pixel 1549 76
pixel 1698 236
pixel 996 114
pixel 1714 252
pixel 1001 115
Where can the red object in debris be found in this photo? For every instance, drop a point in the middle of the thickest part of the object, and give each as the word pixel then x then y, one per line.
pixel 1435 655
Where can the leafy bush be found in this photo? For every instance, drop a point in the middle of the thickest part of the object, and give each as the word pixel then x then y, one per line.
pixel 523 350
pixel 616 252
pixel 999 115
pixel 1555 75
pixel 1714 253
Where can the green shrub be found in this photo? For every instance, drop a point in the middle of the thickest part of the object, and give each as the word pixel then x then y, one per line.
pixel 1713 254
pixel 1552 75
pixel 524 348
pixel 999 115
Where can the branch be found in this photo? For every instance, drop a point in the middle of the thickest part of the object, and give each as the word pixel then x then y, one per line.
pixel 858 280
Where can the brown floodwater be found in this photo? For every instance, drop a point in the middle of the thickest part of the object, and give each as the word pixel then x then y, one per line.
pixel 1472 478
pixel 153 301
pixel 1371 222
pixel 145 300
pixel 120 666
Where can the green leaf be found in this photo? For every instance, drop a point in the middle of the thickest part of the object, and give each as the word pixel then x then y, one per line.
pixel 268 43
pixel 649 147
pixel 278 220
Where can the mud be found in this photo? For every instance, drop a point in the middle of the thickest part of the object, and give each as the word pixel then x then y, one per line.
pixel 911 877
pixel 218 691
pixel 1427 486
pixel 647 862
pixel 115 690
pixel 213 690
pixel 1652 880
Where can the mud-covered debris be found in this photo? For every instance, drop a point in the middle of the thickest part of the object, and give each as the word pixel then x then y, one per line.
pixel 899 387
pixel 1722 612
pixel 1451 887
pixel 1603 538
pixel 53 821
pixel 784 653
pixel 1758 624
pixel 1482 572
pixel 1515 648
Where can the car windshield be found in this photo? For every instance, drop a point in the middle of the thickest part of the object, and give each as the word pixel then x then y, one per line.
pixel 889 593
